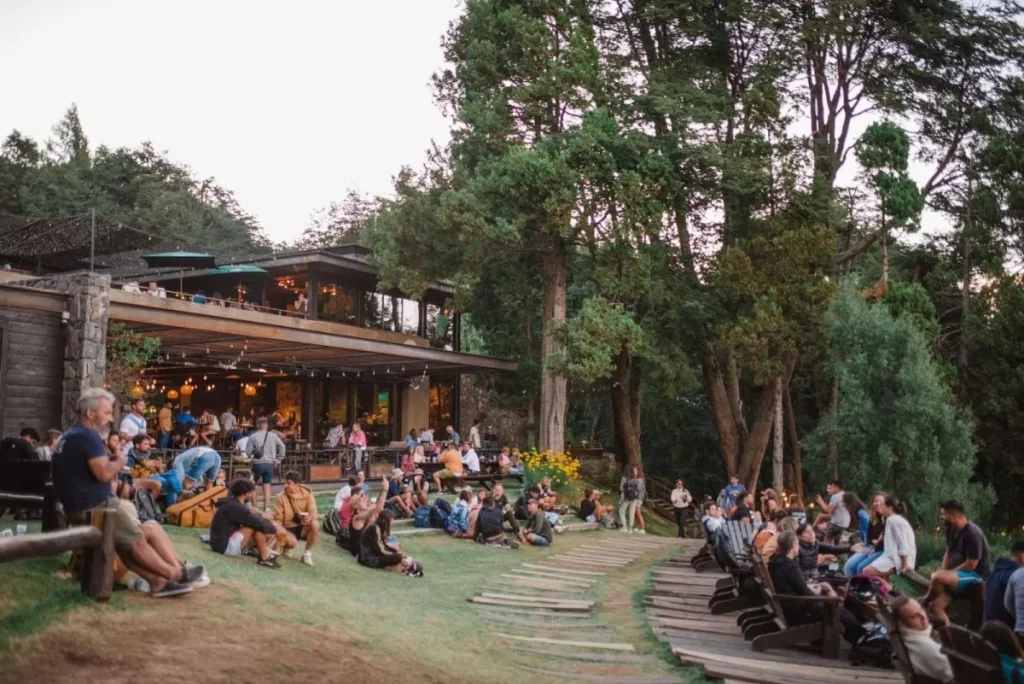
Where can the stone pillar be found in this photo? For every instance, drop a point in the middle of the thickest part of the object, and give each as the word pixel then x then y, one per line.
pixel 85 346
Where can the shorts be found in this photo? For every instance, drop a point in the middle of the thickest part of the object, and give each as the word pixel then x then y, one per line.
pixel 444 472
pixel 206 466
pixel 883 565
pixel 294 531
pixel 540 541
pixel 965 580
pixel 263 473
pixel 127 531
pixel 234 547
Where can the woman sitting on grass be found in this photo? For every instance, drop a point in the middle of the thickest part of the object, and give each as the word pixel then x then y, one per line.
pixel 374 552
pixel 458 521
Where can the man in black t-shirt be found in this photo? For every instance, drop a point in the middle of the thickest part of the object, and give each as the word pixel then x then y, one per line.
pixel 82 475
pixel 742 512
pixel 965 564
pixel 507 511
pixel 488 524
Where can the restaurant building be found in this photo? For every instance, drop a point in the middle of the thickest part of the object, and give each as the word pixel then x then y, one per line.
pixel 308 334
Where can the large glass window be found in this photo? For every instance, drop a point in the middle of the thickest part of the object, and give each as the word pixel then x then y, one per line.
pixel 442 393
pixel 336 303
pixel 389 312
pixel 374 411
pixel 440 327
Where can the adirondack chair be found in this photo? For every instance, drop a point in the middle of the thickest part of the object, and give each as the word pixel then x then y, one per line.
pixel 734 554
pixel 776 632
pixel 704 560
pixel 973 659
pixel 900 655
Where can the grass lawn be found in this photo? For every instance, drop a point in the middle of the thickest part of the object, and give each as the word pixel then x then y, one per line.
pixel 254 624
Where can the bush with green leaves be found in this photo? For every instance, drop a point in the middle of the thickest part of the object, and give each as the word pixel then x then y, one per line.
pixel 899 428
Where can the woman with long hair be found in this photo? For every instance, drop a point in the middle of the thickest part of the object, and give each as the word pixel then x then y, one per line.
pixel 859 516
pixel 871 548
pixel 899 554
pixel 373 549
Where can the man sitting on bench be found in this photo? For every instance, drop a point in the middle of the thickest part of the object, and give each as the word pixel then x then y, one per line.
pixel 470 459
pixel 236 527
pixel 965 564
pixel 789 581
pixel 82 473
pixel 452 462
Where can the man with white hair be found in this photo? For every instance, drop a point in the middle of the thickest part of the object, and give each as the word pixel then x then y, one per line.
pixel 82 476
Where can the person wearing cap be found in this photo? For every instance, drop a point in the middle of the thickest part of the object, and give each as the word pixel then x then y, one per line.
pixel 395 483
pixel 419 486
pixel 593 511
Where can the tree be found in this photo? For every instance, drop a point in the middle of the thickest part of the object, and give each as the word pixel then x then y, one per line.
pixel 896 413
pixel 338 222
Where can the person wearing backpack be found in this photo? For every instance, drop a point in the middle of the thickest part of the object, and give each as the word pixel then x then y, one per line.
pixel 633 490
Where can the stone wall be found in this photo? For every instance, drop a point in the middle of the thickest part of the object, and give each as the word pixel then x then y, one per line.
pixel 512 425
pixel 85 346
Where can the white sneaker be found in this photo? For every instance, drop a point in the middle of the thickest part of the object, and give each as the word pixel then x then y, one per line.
pixel 559 529
pixel 307 558
pixel 641 531
pixel 287 553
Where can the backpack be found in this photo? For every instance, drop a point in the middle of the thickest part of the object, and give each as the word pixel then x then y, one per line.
pixel 422 516
pixel 146 507
pixel 632 490
pixel 196 511
pixel 867 587
pixel 331 523
pixel 439 513
pixel 874 648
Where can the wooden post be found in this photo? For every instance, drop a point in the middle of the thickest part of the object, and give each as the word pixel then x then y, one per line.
pixel 98 561
pixel 51 508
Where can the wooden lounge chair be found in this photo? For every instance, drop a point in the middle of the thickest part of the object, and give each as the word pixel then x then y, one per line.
pixel 900 655
pixel 973 659
pixel 776 632
pixel 733 552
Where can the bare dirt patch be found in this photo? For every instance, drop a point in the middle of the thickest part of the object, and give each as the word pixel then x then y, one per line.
pixel 202 638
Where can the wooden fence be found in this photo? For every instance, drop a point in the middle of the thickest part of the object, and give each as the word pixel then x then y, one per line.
pixel 95 541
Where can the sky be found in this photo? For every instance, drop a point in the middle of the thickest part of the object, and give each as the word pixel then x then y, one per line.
pixel 287 104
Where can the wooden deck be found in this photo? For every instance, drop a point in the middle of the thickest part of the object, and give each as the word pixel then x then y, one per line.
pixel 677 609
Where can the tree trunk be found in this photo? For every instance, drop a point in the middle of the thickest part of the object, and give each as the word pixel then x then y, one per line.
pixel 778 466
pixel 965 289
pixel 626 409
pixel 832 450
pixel 552 384
pixel 885 258
pixel 794 441
pixel 729 440
pixel 749 468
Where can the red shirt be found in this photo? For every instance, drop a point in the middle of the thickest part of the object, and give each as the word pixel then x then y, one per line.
pixel 346 512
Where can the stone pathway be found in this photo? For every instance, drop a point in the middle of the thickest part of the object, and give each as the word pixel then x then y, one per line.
pixel 547 611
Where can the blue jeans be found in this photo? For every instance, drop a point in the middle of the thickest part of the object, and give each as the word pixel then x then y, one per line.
pixel 858 561
pixel 195 467
pixel 234 435
pixel 170 485
pixel 540 541
pixel 165 440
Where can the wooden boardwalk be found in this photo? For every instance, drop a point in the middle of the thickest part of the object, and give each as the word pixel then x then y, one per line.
pixel 545 611
pixel 677 609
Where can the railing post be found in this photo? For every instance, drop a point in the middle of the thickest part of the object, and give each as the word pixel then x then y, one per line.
pixel 51 508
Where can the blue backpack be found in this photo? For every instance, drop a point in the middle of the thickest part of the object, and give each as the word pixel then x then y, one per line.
pixel 439 513
pixel 422 516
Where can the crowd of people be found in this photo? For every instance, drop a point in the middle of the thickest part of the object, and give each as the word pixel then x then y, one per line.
pixel 849 539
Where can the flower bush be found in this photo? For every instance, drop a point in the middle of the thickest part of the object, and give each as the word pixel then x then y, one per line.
pixel 559 466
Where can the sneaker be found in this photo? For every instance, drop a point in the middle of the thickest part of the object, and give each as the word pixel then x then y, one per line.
pixel 190 574
pixel 559 529
pixel 203 581
pixel 514 543
pixel 139 584
pixel 307 558
pixel 641 531
pixel 172 588
pixel 252 552
pixel 269 563
pixel 287 553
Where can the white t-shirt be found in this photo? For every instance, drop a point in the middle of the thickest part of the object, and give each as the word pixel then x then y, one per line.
pixel 474 437
pixel 132 425
pixel 471 461
pixel 343 493
pixel 840 516
pixel 241 444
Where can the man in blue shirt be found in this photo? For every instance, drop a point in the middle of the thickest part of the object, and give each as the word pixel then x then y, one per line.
pixel 733 493
pixel 82 475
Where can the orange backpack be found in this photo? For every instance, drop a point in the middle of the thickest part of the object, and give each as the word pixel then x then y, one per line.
pixel 196 511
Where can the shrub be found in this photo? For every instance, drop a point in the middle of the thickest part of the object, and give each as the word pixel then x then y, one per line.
pixel 560 467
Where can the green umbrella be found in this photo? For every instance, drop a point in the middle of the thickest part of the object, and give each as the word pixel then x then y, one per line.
pixel 180 260
pixel 239 272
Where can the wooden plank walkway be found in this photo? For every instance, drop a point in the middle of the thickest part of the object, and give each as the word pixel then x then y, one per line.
pixel 546 608
pixel 677 609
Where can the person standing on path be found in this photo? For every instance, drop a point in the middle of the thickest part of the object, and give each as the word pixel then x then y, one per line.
pixel 681 501
pixel 633 490
pixel 357 441
pixel 265 449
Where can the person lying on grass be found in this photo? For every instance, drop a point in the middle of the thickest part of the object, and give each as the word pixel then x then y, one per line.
pixel 237 529
pixel 538 527
pixel 295 517
pixel 83 474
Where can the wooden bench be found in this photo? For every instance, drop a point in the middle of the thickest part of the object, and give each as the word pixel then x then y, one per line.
pixel 775 630
pixel 485 480
pixel 94 541
pixel 972 658
pixel 900 654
